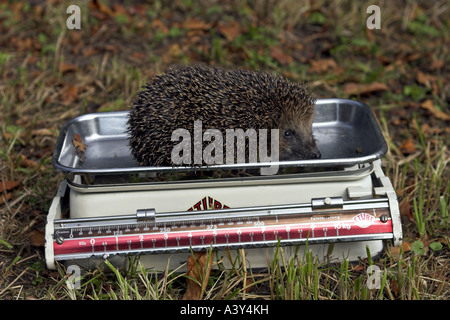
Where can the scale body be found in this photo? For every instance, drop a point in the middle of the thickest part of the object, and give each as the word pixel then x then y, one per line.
pixel 108 208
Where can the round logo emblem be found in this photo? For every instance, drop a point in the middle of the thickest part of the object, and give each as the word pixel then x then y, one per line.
pixel 364 220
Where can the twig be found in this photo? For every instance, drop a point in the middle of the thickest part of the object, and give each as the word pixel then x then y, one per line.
pixel 20 275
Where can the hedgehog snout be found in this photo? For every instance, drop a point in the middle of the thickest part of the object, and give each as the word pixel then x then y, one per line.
pixel 316 154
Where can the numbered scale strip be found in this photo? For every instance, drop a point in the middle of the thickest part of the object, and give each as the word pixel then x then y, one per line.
pixel 147 232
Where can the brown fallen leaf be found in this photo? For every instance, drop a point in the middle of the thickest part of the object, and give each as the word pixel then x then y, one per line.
pixel 138 55
pixel 8 185
pixel 89 51
pixel 383 59
pixel 406 210
pixel 443 240
pixel 198 270
pixel 428 81
pixel 195 24
pixel 97 4
pixel 75 37
pixel 437 64
pixel 27 163
pixel 405 247
pixel 78 143
pixel 4 198
pixel 364 89
pixel 428 105
pixel 159 25
pixel 37 238
pixel 323 65
pixel 249 284
pixel 394 287
pixel 427 130
pixel 408 147
pixel 425 79
pixel 413 56
pixel 279 55
pixel 70 94
pixel 359 267
pixel 20 134
pixel 67 67
pixel 42 132
pixel 120 10
pixel 175 50
pixel 230 30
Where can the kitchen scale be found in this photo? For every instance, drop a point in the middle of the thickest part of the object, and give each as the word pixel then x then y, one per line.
pixel 340 206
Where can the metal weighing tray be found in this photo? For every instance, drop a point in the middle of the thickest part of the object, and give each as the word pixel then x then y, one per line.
pixel 340 204
pixel 346 132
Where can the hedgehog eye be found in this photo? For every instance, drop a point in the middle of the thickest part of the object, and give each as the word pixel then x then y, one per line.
pixel 288 133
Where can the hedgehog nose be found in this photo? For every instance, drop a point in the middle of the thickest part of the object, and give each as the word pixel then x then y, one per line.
pixel 316 155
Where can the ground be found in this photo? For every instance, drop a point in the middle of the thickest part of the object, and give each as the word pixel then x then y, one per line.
pixel 50 74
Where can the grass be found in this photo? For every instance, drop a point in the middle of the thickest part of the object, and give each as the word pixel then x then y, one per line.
pixel 404 277
pixel 49 74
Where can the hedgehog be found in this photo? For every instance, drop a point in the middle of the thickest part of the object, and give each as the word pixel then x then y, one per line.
pixel 221 99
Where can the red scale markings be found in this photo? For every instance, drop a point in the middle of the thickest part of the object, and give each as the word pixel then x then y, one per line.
pixel 123 243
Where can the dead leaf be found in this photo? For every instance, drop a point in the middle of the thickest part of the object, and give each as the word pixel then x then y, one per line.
pixel 230 30
pixel 394 251
pixel 413 56
pixel 383 59
pixel 97 4
pixel 89 51
pixel 323 65
pixel 198 270
pixel 111 47
pixel 78 143
pixel 359 267
pixel 249 284
pixel 70 94
pixel 195 24
pixel 173 52
pixel 9 135
pixel 138 55
pixel 17 10
pixel 37 238
pixel 407 147
pixel 394 287
pixel 428 81
pixel 437 64
pixel 369 35
pixel 27 163
pixel 75 38
pixel 8 185
pixel 67 67
pixel 42 132
pixel 425 79
pixel 428 105
pixel 4 198
pixel 406 210
pixel 158 25
pixel 279 55
pixel 426 129
pixel 119 9
pixel 364 89
pixel 406 246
